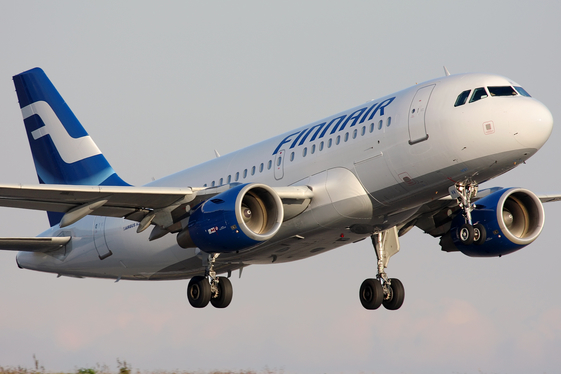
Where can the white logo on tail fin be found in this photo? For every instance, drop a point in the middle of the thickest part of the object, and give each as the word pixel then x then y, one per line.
pixel 70 149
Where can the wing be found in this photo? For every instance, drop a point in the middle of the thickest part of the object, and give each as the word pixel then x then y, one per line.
pixel 549 198
pixel 162 206
pixel 40 244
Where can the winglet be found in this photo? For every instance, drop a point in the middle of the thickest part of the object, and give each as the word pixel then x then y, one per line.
pixel 446 71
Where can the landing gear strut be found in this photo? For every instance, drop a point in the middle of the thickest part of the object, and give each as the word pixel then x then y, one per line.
pixel 217 290
pixel 383 290
pixel 469 233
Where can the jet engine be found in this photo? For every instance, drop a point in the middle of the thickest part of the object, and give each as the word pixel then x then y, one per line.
pixel 236 219
pixel 504 221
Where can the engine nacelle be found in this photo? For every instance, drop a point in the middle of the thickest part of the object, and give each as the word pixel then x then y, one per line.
pixel 236 219
pixel 512 218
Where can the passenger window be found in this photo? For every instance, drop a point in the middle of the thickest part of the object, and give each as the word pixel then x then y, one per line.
pixel 237 175
pixel 462 98
pixel 346 136
pixel 478 94
pixel 212 184
pixel 338 140
pixel 380 125
pixel 304 151
pixel 261 168
pixel 363 131
pixel 501 91
pixel 229 179
pixel 389 121
pixel 355 133
pixel 522 91
pixel 244 173
pixel 221 182
pixel 313 149
pixel 329 142
pixel 372 127
pixel 253 170
pixel 292 156
pixel 271 164
pixel 279 160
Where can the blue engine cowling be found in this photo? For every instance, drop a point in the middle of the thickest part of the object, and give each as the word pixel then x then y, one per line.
pixel 512 218
pixel 236 219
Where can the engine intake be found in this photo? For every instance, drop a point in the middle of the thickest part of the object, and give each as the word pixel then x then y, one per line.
pixel 512 218
pixel 239 218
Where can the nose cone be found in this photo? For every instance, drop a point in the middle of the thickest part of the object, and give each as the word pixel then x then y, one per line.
pixel 533 124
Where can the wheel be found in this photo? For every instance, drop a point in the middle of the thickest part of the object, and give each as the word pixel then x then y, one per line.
pixel 466 234
pixel 225 293
pixel 371 294
pixel 396 296
pixel 198 292
pixel 479 233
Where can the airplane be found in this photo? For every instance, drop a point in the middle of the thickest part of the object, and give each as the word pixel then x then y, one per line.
pixel 412 158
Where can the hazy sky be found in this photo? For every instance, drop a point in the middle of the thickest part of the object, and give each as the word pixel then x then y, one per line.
pixel 160 85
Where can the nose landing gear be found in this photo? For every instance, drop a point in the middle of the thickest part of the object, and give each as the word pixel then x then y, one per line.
pixel 469 233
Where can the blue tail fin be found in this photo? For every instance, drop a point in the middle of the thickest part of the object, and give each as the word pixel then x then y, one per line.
pixel 63 152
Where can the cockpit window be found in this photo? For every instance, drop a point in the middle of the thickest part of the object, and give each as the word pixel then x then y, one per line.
pixel 461 100
pixel 502 91
pixel 478 94
pixel 522 91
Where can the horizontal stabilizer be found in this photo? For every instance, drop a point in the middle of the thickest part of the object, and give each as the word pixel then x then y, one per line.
pixel 33 244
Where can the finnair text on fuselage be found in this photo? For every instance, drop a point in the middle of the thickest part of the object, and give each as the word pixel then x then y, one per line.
pixel 336 124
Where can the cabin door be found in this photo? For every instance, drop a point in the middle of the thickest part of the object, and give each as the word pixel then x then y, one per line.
pixel 417 127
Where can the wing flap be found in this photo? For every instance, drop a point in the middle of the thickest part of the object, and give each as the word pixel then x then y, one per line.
pixel 40 244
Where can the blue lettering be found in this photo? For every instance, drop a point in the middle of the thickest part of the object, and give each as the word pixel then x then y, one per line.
pixel 368 111
pixel 355 116
pixel 381 107
pixel 343 120
pixel 285 140
pixel 335 126
pixel 317 132
pixel 310 131
pixel 296 140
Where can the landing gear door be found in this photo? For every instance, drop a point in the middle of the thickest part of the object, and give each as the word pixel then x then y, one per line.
pixel 99 238
pixel 417 127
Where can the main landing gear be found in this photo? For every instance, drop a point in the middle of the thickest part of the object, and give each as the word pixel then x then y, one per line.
pixel 210 288
pixel 469 233
pixel 383 290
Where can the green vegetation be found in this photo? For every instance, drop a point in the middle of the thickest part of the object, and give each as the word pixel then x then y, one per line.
pixel 123 367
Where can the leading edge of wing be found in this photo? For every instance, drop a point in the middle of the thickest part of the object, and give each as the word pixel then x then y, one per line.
pixel 167 204
pixel 78 201
pixel 33 244
pixel 549 198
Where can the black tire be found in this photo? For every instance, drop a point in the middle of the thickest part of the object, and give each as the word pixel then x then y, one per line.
pixel 397 295
pixel 225 293
pixel 198 292
pixel 466 234
pixel 480 234
pixel 371 294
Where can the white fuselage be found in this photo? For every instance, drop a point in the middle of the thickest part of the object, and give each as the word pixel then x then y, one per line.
pixel 370 168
